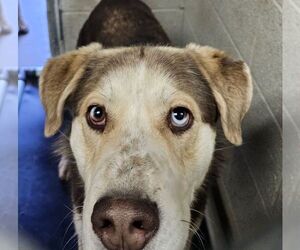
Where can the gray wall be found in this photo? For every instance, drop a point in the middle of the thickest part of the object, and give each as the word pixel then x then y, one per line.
pixel 291 124
pixel 251 185
pixel 250 30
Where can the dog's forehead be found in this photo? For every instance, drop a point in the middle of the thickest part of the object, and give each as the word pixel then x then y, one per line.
pixel 153 73
pixel 137 82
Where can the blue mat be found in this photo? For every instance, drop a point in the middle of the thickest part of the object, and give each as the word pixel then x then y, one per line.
pixel 44 204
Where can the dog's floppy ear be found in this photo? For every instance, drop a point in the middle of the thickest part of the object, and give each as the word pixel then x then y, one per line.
pixel 231 85
pixel 58 80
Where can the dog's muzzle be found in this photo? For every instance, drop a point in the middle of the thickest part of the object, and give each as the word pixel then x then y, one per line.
pixel 125 223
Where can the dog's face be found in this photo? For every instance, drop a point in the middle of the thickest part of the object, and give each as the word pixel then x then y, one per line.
pixel 143 134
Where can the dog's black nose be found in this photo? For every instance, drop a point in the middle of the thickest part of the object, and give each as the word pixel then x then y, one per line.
pixel 125 224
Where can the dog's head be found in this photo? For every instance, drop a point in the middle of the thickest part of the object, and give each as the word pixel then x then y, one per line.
pixel 143 134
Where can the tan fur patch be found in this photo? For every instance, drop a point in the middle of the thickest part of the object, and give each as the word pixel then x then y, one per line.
pixel 231 84
pixel 58 80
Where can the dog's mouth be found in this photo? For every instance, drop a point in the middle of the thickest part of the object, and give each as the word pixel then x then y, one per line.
pixel 124 222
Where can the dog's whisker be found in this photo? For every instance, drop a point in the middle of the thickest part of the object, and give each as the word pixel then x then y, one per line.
pixel 66 231
pixel 71 238
pixel 71 211
pixel 194 225
pixel 197 228
pixel 79 244
pixel 202 243
pixel 66 206
pixel 64 218
pixel 203 214
pixel 197 211
pixel 74 209
pixel 76 243
pixel 64 135
pixel 194 230
pixel 191 241
pixel 198 236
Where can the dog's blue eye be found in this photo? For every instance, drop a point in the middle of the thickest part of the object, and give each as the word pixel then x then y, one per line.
pixel 180 119
pixel 96 117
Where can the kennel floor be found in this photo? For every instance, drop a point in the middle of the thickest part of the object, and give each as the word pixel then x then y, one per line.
pixel 45 217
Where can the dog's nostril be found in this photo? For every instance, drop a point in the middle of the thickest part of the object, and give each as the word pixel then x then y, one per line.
pixel 105 223
pixel 138 224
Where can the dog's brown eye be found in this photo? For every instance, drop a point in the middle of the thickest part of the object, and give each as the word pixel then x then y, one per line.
pixel 180 119
pixel 96 117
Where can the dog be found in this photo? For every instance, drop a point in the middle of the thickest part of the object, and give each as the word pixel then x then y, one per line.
pixel 138 122
pixel 4 27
